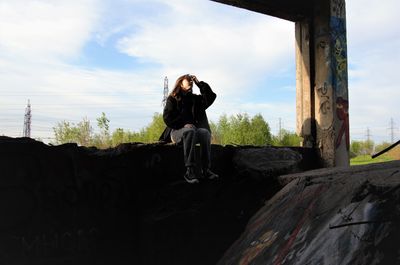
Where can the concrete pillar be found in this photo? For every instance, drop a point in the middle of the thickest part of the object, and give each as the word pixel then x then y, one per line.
pixel 322 82
pixel 304 97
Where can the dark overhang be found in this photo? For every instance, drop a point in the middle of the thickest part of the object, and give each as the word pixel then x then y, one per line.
pixel 293 10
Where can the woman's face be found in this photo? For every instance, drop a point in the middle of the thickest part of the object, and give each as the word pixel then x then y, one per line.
pixel 186 84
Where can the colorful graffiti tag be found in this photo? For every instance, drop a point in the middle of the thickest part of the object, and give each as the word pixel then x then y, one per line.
pixel 339 60
pixel 339 70
pixel 342 111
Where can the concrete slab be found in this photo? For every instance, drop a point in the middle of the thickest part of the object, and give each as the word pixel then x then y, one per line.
pixel 328 216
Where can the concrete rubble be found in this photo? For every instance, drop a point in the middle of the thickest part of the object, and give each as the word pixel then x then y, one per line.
pixel 130 205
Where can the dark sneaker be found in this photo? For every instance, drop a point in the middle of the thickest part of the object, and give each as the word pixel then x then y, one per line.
pixel 190 176
pixel 208 174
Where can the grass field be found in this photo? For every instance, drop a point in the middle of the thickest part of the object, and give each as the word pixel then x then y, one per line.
pixel 366 159
pixel 393 154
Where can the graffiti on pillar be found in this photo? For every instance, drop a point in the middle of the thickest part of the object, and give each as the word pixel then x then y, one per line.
pixel 324 105
pixel 338 8
pixel 342 111
pixel 339 60
pixel 339 70
pixel 326 51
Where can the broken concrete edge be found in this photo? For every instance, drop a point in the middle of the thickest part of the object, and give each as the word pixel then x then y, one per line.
pixel 335 171
pixel 308 155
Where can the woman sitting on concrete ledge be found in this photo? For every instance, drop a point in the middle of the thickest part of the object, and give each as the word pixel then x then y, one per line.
pixel 186 120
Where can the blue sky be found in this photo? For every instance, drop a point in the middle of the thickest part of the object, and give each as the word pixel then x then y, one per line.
pixel 78 58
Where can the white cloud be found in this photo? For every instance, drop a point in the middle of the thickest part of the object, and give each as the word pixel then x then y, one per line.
pixel 372 22
pixel 231 50
pixel 45 29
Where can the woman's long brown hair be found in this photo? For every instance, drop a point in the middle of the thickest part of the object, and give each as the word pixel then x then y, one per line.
pixel 177 87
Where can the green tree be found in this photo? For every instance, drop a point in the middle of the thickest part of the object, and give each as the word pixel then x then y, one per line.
pixel 117 136
pixel 287 138
pixel 84 132
pixel 362 147
pixel 103 140
pixel 356 147
pixel 153 131
pixel 148 134
pixel 223 130
pixel 368 147
pixel 215 136
pixel 240 129
pixel 81 133
pixel 120 136
pixel 64 133
pixel 259 133
pixel 381 146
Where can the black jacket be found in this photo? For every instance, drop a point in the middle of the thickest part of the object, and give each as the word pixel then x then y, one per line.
pixel 174 111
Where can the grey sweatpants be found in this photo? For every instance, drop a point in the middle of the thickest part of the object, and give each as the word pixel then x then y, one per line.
pixel 190 137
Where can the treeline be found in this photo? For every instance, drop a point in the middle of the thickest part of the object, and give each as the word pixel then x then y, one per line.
pixel 240 129
pixel 367 147
pixel 83 133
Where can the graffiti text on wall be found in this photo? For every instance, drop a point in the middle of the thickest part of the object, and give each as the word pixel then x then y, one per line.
pixel 324 105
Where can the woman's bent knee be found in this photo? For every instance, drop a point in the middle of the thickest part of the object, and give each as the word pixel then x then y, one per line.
pixel 189 131
pixel 203 133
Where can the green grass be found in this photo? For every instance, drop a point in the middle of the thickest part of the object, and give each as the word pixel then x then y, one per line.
pixel 366 159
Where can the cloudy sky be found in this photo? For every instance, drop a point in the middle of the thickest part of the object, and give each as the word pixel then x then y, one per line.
pixel 78 58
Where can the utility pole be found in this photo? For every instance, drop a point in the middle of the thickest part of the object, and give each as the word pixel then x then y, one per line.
pixel 392 127
pixel 368 134
pixel 369 145
pixel 165 91
pixel 27 121
pixel 280 129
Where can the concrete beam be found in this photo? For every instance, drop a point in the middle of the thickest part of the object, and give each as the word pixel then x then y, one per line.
pixel 292 10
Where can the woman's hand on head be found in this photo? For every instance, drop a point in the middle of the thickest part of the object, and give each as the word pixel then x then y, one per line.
pixel 194 78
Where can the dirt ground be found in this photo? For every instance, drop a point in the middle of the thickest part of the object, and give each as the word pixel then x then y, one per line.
pixel 395 153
